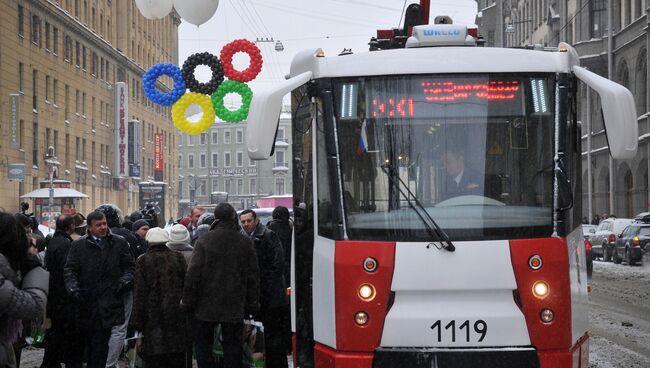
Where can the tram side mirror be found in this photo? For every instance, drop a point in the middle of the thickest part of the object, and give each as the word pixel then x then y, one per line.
pixel 263 115
pixel 619 113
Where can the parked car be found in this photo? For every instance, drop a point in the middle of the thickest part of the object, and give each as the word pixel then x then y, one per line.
pixel 604 239
pixel 632 243
pixel 587 231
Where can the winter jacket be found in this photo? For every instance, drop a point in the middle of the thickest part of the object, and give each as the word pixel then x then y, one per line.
pixel 59 302
pixel 282 228
pixel 185 249
pixel 159 277
pixel 222 282
pixel 18 301
pixel 135 246
pixel 100 275
pixel 270 258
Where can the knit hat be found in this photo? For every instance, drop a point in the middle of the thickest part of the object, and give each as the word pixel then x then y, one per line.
pixel 200 230
pixel 178 234
pixel 185 221
pixel 206 219
pixel 157 235
pixel 139 223
pixel 225 212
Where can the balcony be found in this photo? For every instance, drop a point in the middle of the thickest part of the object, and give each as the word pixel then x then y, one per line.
pixel 280 167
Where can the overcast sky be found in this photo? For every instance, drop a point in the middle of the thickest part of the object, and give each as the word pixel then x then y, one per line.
pixel 301 24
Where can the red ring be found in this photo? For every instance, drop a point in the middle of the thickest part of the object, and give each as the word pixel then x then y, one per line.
pixel 255 66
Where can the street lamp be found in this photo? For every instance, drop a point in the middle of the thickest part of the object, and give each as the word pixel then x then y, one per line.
pixel 52 163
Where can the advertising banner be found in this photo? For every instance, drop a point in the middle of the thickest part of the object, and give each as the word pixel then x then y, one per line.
pixel 121 130
pixel 14 119
pixel 16 172
pixel 158 156
pixel 135 144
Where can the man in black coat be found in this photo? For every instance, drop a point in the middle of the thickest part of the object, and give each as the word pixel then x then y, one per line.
pixel 98 271
pixel 273 296
pixel 62 339
pixel 281 226
pixel 221 287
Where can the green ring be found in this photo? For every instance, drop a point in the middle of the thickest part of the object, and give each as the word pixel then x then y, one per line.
pixel 231 86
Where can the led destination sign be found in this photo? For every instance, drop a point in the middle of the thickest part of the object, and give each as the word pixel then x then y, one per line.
pixel 421 97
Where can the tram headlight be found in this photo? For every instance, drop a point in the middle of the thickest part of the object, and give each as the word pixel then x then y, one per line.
pixel 367 292
pixel 361 318
pixel 547 315
pixel 541 289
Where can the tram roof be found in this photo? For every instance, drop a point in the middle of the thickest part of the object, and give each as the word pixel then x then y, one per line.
pixel 427 60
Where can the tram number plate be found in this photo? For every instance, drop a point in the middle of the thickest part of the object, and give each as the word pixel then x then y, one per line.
pixel 466 330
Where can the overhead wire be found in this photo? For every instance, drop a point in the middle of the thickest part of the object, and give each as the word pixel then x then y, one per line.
pixel 272 64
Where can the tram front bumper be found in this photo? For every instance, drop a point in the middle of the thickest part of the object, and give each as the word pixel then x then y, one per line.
pixel 456 358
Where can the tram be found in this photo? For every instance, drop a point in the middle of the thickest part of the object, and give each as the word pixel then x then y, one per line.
pixel 438 201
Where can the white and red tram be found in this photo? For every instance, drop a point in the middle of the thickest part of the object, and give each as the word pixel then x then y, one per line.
pixel 404 260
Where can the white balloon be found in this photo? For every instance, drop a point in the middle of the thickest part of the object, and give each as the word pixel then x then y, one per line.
pixel 154 9
pixel 196 11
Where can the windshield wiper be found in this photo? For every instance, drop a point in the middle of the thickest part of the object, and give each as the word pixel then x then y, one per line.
pixel 432 227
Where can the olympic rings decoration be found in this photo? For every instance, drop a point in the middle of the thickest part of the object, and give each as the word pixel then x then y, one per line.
pixel 253 52
pixel 182 123
pixel 209 96
pixel 204 58
pixel 222 111
pixel 149 84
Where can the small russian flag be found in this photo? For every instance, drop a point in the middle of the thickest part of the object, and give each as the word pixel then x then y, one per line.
pixel 363 140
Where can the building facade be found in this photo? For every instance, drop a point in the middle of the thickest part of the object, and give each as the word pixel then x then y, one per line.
pixel 70 72
pixel 610 186
pixel 216 162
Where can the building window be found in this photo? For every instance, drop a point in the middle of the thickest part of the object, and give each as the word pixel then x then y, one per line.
pixel 35 144
pixel 55 40
pixel 240 159
pixel 226 136
pixel 47 88
pixel 204 138
pixel 239 138
pixel 83 58
pixel 598 18
pixel 226 159
pixel 21 77
pixel 190 161
pixel 279 158
pixel 77 102
pixel 215 137
pixel 21 20
pixel 203 186
pixel 55 91
pixel 180 139
pixel 36 30
pixel 227 185
pixel 47 36
pixel 83 104
pixel 215 160
pixel 279 186
pixel 240 186
pixel 35 90
pixel 202 160
pixel 180 161
pixel 252 186
pixel 77 59
pixel 67 102
pixel 67 48
pixel 215 185
pixel 252 162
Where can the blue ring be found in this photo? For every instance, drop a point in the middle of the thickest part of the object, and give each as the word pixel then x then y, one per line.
pixel 149 84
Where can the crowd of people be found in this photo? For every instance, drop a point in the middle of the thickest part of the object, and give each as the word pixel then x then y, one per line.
pixel 170 292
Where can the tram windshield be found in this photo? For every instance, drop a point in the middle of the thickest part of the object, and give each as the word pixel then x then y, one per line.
pixel 475 150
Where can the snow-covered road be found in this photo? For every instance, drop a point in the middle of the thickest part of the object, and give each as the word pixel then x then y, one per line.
pixel 619 316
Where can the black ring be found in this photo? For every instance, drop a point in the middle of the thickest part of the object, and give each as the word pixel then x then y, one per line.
pixel 204 58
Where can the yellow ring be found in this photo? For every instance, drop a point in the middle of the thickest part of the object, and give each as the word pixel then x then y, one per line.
pixel 180 106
